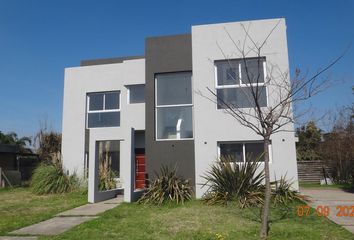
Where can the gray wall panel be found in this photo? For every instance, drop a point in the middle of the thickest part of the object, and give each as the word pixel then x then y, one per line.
pixel 162 55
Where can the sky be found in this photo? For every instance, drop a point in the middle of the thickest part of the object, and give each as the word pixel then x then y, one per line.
pixel 38 39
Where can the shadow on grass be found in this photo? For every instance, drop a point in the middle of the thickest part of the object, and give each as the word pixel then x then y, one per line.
pixel 348 188
pixel 277 213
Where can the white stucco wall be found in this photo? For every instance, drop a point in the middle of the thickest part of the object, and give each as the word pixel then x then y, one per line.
pixel 99 78
pixel 212 125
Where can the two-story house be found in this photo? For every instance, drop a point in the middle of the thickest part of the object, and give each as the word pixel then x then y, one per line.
pixel 145 111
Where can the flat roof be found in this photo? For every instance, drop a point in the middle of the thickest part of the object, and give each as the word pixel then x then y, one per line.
pixel 108 60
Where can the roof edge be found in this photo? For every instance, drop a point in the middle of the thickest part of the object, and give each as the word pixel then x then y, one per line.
pixel 102 61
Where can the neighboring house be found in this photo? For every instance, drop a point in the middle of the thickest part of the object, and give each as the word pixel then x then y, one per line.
pixel 8 156
pixel 154 109
pixel 17 165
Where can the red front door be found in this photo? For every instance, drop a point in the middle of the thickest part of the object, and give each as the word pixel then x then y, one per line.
pixel 139 171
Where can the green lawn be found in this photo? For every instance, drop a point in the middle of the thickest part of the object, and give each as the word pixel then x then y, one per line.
pixel 195 220
pixel 19 207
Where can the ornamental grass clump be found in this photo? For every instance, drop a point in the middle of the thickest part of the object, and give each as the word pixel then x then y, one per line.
pixel 167 187
pixel 230 182
pixel 50 178
pixel 107 177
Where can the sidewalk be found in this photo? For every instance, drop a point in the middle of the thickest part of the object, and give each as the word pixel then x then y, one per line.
pixel 64 221
pixel 333 198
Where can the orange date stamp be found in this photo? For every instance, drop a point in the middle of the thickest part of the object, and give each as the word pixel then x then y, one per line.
pixel 324 211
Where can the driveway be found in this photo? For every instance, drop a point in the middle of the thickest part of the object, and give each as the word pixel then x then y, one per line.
pixel 340 203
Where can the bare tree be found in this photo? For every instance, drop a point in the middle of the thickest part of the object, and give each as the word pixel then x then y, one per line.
pixel 264 117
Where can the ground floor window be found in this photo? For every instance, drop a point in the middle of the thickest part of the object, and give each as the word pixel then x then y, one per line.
pixel 242 151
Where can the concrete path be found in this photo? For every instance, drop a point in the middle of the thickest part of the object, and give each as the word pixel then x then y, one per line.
pixel 92 209
pixel 65 220
pixel 53 226
pixel 333 198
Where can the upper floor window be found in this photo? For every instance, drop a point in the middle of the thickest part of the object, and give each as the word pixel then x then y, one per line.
pixel 235 80
pixel 136 93
pixel 174 106
pixel 103 109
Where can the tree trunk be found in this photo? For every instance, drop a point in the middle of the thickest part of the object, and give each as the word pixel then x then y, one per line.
pixel 267 191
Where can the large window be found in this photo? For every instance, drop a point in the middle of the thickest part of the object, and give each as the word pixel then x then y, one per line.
pixel 136 93
pixel 174 106
pixel 242 151
pixel 235 80
pixel 103 109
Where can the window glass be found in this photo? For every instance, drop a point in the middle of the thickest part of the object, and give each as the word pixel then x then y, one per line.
pixel 241 97
pixel 103 119
pixel 96 101
pixel 174 88
pixel 228 72
pixel 235 89
pixel 252 70
pixel 232 151
pixel 254 151
pixel 137 93
pixel 103 109
pixel 112 100
pixel 174 122
pixel 227 97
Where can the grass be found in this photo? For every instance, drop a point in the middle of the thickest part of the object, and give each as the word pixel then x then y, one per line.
pixel 195 220
pixel 19 207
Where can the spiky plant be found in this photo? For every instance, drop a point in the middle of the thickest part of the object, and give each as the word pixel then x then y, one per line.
pixel 234 182
pixel 167 187
pixel 282 192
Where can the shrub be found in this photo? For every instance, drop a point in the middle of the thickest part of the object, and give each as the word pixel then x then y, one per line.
pixel 337 147
pixel 167 187
pixel 338 151
pixel 51 178
pixel 107 179
pixel 282 192
pixel 307 148
pixel 227 182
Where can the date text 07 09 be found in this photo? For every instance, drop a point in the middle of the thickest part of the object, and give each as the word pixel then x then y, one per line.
pixel 324 211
